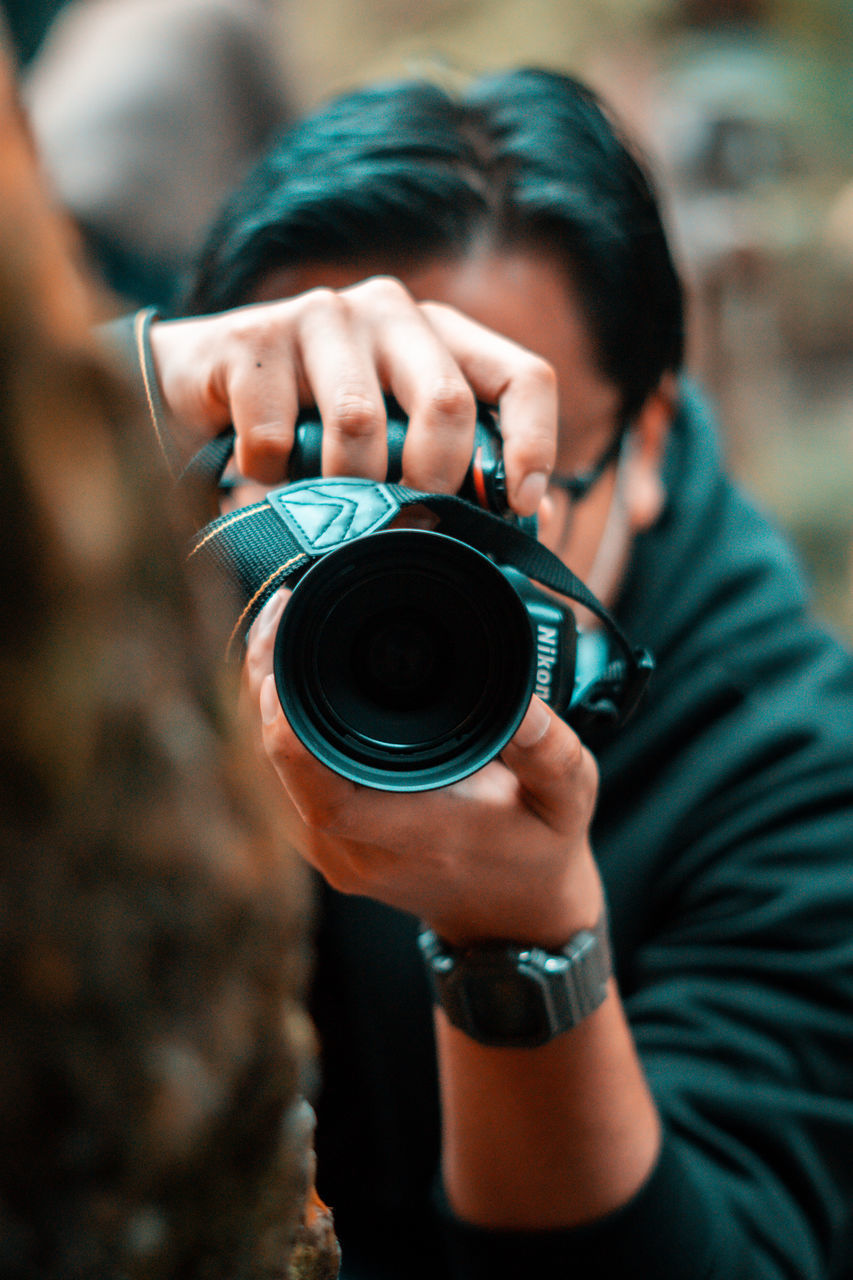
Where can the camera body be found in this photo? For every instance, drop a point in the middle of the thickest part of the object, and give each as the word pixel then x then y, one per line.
pixel 406 658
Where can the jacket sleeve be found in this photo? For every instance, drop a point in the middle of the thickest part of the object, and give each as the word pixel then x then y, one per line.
pixel 125 341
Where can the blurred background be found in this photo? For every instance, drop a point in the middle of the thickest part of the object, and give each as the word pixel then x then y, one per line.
pixel 745 108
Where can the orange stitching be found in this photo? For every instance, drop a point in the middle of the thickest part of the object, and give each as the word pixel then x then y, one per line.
pixel 242 514
pixel 264 585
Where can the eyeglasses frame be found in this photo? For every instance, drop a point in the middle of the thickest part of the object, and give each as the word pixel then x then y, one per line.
pixel 577 486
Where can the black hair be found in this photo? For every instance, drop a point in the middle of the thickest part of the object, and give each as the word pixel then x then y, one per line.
pixel 403 172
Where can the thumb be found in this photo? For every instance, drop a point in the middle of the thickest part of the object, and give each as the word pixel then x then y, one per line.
pixel 556 771
pixel 534 726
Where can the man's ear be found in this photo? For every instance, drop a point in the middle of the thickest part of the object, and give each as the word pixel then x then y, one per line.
pixel 644 491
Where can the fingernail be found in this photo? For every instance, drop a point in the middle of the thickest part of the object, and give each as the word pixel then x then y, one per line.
pixel 534 724
pixel 531 491
pixel 269 700
pixel 268 617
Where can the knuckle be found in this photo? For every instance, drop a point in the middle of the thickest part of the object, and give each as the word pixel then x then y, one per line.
pixel 539 373
pixel 384 289
pixel 323 298
pixel 258 450
pixel 369 867
pixel 326 809
pixel 318 308
pixel 569 758
pixel 260 436
pixel 355 414
pixel 318 813
pixel 451 397
pixel 253 335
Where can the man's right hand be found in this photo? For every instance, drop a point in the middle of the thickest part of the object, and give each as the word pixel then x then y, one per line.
pixel 256 365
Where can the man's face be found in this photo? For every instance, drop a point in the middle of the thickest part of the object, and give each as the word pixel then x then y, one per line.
pixel 528 297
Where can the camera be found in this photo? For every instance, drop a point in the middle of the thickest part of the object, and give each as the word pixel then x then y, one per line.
pixel 407 655
pixel 406 659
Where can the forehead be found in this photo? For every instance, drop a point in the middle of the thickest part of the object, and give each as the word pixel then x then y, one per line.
pixel 526 296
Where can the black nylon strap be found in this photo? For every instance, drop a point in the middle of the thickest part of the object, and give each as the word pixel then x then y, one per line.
pixel 205 468
pixel 509 545
pixel 254 548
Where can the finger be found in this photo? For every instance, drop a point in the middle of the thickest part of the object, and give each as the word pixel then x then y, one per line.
pixel 257 665
pixel 340 371
pixel 524 388
pixel 334 805
pixel 261 643
pixel 424 377
pixel 556 771
pixel 320 795
pixel 256 372
pixel 184 375
pixel 314 796
pixel 263 413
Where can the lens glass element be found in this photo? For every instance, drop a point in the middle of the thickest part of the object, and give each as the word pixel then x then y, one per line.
pixel 404 660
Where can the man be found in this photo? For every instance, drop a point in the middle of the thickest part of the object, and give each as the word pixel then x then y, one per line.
pixel 696 1120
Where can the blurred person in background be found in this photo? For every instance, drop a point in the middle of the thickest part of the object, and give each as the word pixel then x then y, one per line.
pixel 26 24
pixel 146 113
pixel 698 1121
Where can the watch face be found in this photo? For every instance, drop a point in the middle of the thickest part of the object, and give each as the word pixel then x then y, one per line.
pixel 515 996
pixel 506 1006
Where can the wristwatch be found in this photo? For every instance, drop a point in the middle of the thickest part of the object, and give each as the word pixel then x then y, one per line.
pixel 512 996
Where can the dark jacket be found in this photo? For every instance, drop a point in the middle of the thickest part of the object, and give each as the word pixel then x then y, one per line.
pixel 724 833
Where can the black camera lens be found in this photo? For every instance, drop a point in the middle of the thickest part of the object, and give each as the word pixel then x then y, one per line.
pixel 405 660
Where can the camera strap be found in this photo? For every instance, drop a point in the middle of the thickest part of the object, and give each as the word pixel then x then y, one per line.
pixel 271 544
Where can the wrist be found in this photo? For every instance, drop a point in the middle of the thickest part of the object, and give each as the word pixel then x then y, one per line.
pixel 548 919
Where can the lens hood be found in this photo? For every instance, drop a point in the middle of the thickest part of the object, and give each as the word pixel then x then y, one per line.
pixel 405 660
